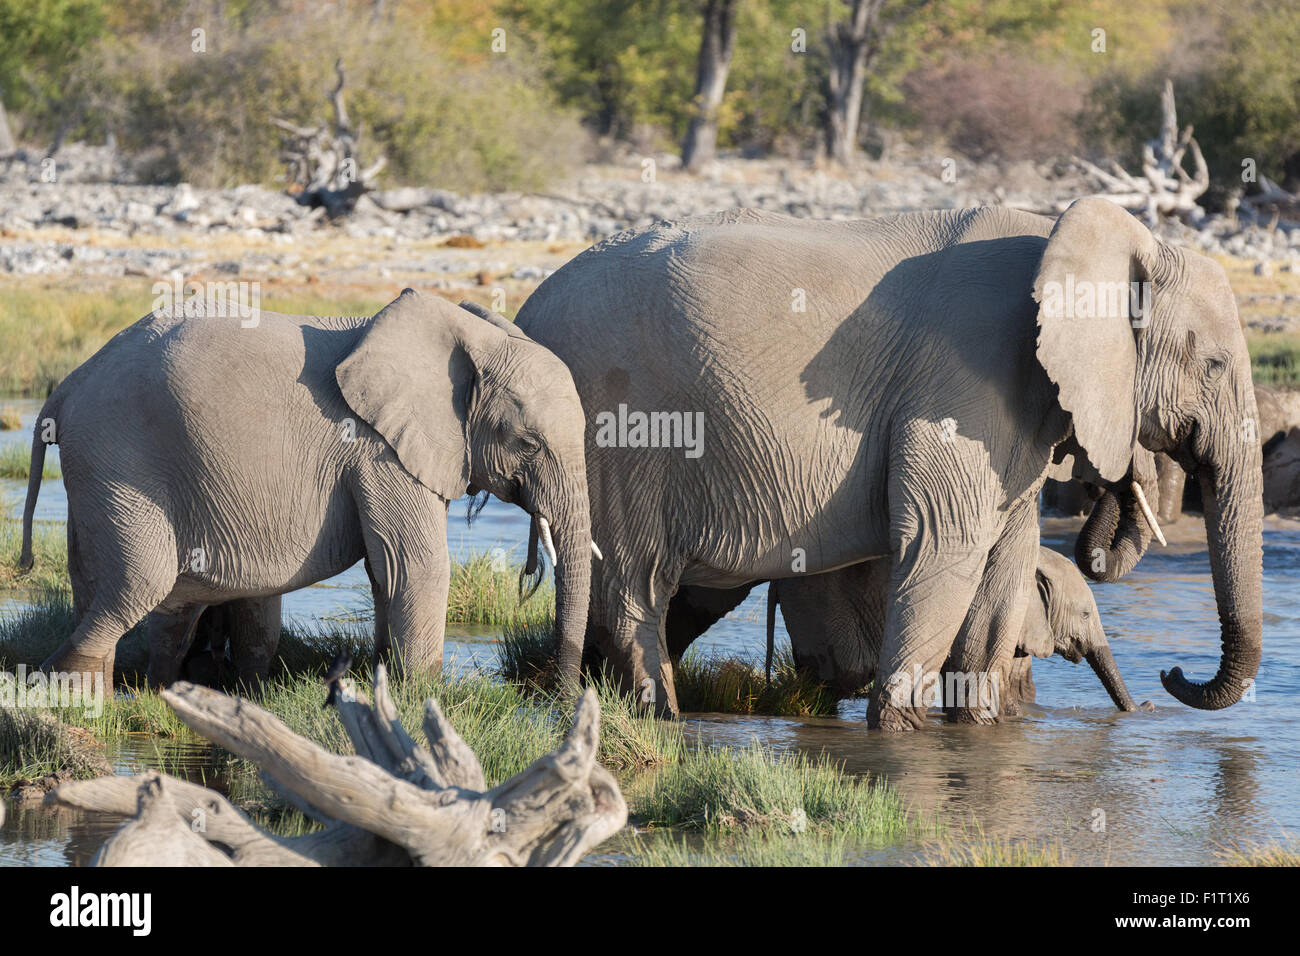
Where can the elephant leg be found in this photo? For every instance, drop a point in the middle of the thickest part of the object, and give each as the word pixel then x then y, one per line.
pixel 411 569
pixel 640 651
pixel 931 596
pixel 987 641
pixel 943 511
pixel 382 636
pixel 254 633
pixel 1020 682
pixel 171 631
pixel 83 590
pixel 129 560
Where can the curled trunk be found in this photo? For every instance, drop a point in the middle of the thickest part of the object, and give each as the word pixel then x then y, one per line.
pixel 1234 512
pixel 1115 536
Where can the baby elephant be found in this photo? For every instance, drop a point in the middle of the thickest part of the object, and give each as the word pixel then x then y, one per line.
pixel 836 622
pixel 207 459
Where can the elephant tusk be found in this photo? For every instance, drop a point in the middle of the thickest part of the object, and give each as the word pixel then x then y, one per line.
pixel 596 551
pixel 548 545
pixel 1148 514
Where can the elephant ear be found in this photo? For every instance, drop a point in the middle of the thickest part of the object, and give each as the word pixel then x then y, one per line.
pixel 1087 345
pixel 1036 632
pixel 410 375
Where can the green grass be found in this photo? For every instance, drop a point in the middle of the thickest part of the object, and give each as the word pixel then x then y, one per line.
pixel 991 851
pixel 481 595
pixel 34 743
pixel 753 789
pixel 50 549
pixel 16 462
pixel 750 807
pixel 678 850
pixel 1285 853
pixel 47 330
pixel 709 683
pixel 1275 358
pixel 705 683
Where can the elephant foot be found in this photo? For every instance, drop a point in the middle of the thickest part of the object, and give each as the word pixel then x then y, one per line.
pixel 882 715
pixel 980 715
pixel 69 660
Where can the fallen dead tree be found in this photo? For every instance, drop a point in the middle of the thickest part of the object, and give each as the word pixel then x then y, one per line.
pixel 324 164
pixel 393 803
pixel 1164 187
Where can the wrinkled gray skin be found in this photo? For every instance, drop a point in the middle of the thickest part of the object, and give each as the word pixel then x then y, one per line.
pixel 911 410
pixel 206 462
pixel 836 623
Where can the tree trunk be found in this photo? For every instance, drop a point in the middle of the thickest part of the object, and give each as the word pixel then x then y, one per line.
pixel 716 47
pixel 7 145
pixel 853 44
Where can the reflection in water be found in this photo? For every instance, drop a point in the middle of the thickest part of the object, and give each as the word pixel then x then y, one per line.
pixel 1168 787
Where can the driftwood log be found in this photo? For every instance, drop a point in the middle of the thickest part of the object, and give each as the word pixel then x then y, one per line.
pixel 394 803
pixel 1164 187
pixel 325 165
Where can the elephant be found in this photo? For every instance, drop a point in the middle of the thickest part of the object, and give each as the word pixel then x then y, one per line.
pixel 248 627
pixel 770 396
pixel 207 461
pixel 836 625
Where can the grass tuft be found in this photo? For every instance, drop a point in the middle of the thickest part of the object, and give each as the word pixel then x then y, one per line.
pixel 16 462
pixel 705 683
pixel 34 743
pixel 717 791
pixel 678 850
pixel 1285 853
pixel 728 685
pixel 995 851
pixel 485 592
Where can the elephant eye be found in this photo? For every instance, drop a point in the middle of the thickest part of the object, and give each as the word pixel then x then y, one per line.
pixel 1215 366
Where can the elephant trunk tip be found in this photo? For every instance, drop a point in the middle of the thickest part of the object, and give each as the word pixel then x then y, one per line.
pixel 1217 693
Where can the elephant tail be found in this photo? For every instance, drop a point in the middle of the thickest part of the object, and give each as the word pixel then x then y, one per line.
pixel 25 561
pixel 35 470
pixel 771 625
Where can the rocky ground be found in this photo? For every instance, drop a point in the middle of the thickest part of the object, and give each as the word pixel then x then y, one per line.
pixel 92 219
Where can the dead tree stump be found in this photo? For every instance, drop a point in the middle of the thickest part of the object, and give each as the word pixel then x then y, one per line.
pixel 394 803
pixel 324 165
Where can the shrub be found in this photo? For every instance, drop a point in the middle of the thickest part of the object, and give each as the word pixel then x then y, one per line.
pixel 1006 108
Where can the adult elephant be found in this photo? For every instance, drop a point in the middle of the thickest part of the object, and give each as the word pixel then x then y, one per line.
pixel 895 387
pixel 206 461
pixel 836 623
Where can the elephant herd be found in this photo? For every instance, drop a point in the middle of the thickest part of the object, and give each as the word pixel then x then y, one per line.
pixel 862 413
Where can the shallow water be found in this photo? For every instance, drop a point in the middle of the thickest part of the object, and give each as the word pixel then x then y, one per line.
pixel 1171 787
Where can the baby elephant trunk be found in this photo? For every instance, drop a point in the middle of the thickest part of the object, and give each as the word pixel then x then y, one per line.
pixel 1102 663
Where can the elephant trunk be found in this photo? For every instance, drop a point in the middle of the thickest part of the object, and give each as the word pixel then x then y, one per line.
pixel 569 520
pixel 1171 478
pixel 1115 536
pixel 1234 515
pixel 1102 662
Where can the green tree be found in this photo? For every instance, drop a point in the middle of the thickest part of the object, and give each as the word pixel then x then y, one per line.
pixel 38 40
